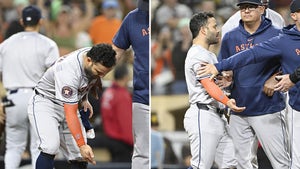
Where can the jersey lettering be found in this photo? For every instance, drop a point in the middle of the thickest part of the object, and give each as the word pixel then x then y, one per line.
pixel 297 51
pixel 244 46
pixel 145 32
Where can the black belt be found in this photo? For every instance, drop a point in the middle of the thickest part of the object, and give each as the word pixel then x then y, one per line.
pixel 202 106
pixel 46 97
pixel 38 93
pixel 205 107
pixel 16 90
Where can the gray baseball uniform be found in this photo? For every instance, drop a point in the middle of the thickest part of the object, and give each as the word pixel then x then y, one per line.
pixel 64 82
pixel 207 129
pixel 24 57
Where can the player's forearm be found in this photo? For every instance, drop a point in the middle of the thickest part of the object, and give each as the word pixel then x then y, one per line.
pixel 295 76
pixel 73 123
pixel 119 52
pixel 214 91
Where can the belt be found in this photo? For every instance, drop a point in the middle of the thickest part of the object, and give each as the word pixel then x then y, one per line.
pixel 205 107
pixel 202 106
pixel 16 90
pixel 38 93
pixel 46 97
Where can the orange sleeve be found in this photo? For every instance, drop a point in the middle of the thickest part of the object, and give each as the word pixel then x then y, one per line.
pixel 214 91
pixel 73 123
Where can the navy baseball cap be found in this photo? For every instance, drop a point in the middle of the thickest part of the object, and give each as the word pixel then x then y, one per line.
pixel 255 2
pixel 295 6
pixel 31 15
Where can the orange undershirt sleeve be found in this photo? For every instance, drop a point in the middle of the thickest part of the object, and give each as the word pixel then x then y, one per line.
pixel 73 123
pixel 214 91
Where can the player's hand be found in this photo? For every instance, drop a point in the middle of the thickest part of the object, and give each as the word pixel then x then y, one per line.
pixel 232 105
pixel 207 69
pixel 87 105
pixel 284 83
pixel 87 153
pixel 225 80
pixel 269 86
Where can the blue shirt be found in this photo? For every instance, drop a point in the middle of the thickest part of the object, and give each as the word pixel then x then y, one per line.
pixel 248 81
pixel 157 148
pixel 285 47
pixel 134 32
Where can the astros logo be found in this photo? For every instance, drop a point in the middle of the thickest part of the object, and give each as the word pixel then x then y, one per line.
pixel 67 91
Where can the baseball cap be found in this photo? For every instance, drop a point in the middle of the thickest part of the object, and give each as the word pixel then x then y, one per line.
pixel 31 15
pixel 295 6
pixel 110 4
pixel 255 2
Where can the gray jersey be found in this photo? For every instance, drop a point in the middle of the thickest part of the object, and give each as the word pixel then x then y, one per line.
pixel 233 21
pixel 66 80
pixel 195 56
pixel 37 54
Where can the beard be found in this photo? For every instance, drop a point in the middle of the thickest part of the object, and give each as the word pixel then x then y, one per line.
pixel 212 39
pixel 89 74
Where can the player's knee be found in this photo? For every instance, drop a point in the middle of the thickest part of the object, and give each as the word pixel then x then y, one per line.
pixel 78 164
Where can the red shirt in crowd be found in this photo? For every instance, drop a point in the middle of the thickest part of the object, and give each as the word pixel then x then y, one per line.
pixel 116 113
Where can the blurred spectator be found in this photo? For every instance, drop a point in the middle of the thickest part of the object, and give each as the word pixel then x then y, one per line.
pixel 205 5
pixel 162 73
pixel 168 15
pixel 104 27
pixel 116 113
pixel 179 52
pixel 13 17
pixel 68 25
pixel 157 144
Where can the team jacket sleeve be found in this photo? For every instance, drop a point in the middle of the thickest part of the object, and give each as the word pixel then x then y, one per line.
pixel 295 76
pixel 214 91
pixel 73 123
pixel 265 50
pixel 121 38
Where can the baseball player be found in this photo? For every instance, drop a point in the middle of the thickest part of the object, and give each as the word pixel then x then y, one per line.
pixel 24 57
pixel 53 108
pixel 275 17
pixel 284 47
pixel 247 89
pixel 134 32
pixel 205 125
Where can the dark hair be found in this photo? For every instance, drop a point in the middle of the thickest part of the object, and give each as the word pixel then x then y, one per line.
pixel 199 20
pixel 104 54
pixel 120 71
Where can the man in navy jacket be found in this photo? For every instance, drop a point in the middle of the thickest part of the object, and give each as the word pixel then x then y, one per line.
pixel 285 47
pixel 247 89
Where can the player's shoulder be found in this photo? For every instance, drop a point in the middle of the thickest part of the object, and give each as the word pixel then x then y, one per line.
pixel 232 34
pixel 132 13
pixel 197 53
pixel 13 37
pixel 46 39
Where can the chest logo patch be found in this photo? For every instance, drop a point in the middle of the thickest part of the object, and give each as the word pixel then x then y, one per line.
pixel 67 91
